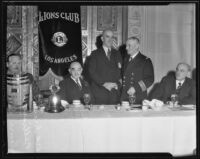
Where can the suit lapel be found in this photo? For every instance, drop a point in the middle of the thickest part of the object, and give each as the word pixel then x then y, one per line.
pixel 106 58
pixel 74 83
pixel 174 85
pixel 184 86
pixel 104 54
pixel 133 63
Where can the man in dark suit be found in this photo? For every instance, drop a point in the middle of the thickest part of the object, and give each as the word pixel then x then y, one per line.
pixel 105 71
pixel 138 73
pixel 74 87
pixel 179 84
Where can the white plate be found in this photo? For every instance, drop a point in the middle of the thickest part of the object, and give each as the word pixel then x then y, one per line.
pixel 189 106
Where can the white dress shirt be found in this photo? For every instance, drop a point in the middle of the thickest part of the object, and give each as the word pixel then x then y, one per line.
pixel 79 82
pixel 177 83
pixel 133 56
pixel 106 49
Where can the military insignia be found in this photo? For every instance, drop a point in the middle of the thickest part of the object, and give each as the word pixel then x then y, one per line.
pixel 119 65
pixel 59 39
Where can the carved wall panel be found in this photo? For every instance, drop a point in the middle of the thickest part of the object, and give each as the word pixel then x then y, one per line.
pixel 30 40
pixel 107 18
pixel 14 16
pixel 14 29
pixel 136 22
pixel 22 36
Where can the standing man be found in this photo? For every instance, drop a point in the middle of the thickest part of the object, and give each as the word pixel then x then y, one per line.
pixel 138 73
pixel 105 71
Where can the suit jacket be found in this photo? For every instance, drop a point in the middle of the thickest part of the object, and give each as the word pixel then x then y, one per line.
pixel 69 90
pixel 138 73
pixel 102 70
pixel 167 87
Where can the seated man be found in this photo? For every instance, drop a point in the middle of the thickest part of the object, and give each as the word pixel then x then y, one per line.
pixel 74 86
pixel 14 65
pixel 181 85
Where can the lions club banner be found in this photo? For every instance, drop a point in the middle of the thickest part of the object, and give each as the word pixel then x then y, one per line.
pixel 59 38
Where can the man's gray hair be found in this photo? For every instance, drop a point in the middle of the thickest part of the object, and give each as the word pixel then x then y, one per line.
pixel 134 38
pixel 75 62
pixel 105 30
pixel 184 63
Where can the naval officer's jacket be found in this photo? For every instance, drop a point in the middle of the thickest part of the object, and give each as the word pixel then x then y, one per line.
pixel 138 73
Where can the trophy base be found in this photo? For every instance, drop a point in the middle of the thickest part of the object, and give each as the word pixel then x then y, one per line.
pixel 54 110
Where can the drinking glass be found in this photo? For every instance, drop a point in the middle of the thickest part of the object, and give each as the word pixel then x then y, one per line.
pixel 132 99
pixel 86 99
pixel 174 99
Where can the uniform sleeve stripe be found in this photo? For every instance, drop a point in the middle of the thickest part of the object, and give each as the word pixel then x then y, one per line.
pixel 142 85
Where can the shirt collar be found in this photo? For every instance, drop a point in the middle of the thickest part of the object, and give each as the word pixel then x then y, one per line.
pixel 106 49
pixel 75 79
pixel 133 56
pixel 177 82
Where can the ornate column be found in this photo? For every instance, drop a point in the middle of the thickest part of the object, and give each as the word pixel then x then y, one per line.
pixel 30 40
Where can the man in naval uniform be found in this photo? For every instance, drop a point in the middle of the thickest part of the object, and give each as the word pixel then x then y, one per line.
pixel 105 71
pixel 138 72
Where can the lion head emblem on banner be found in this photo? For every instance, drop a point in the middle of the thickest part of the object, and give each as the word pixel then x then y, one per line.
pixel 59 39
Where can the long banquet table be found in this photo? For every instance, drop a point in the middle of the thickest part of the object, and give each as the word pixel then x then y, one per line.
pixel 106 130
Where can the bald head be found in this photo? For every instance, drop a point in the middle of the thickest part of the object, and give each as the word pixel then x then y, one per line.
pixel 75 64
pixel 183 64
pixel 75 70
pixel 107 38
pixel 182 71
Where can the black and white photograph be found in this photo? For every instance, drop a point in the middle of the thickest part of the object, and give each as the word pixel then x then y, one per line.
pixel 100 78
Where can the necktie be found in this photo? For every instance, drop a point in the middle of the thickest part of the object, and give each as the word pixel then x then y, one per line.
pixel 108 54
pixel 178 88
pixel 77 82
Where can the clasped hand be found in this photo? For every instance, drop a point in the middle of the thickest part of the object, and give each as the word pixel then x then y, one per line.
pixel 110 85
pixel 131 91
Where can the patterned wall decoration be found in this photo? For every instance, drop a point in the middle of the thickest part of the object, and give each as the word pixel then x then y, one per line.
pixel 107 17
pixel 115 42
pixel 14 16
pixel 35 57
pixel 136 23
pixel 14 29
pixel 30 40
pixel 84 46
pixel 14 43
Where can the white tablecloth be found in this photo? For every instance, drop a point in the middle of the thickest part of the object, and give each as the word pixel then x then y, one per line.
pixel 105 130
